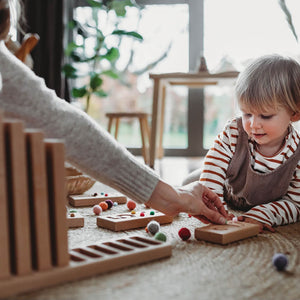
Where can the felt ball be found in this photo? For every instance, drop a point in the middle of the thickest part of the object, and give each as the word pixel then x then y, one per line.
pixel 153 227
pixel 72 215
pixel 142 214
pixel 116 203
pixel 234 219
pixel 97 210
pixel 184 233
pixel 131 204
pixel 160 236
pixel 105 195
pixel 109 203
pixel 133 212
pixel 103 205
pixel 152 212
pixel 280 261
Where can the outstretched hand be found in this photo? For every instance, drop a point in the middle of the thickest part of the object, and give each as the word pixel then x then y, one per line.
pixel 194 199
pixel 262 226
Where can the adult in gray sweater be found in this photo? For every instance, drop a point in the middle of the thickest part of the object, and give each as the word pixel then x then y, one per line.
pixel 90 148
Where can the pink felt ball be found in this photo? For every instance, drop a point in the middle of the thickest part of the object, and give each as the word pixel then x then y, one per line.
pixel 97 210
pixel 184 233
pixel 131 204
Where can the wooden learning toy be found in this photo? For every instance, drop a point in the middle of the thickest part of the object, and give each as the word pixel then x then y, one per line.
pixel 125 221
pixel 225 234
pixel 91 200
pixel 34 250
pixel 75 220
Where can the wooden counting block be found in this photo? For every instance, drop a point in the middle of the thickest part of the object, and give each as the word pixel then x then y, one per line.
pixel 57 201
pixel 17 188
pixel 75 220
pixel 127 221
pixel 38 194
pixel 4 217
pixel 225 234
pixel 86 200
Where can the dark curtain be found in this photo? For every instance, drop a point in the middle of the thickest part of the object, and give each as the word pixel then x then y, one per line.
pixel 45 17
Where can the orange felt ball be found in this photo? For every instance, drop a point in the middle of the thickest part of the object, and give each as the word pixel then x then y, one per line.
pixel 131 204
pixel 103 205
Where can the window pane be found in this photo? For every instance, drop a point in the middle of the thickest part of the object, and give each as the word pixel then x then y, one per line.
pixel 165 40
pixel 243 31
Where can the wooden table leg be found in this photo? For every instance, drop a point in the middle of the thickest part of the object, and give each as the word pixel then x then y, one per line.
pixel 155 120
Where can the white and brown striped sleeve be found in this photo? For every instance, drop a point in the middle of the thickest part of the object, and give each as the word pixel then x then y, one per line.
pixel 217 159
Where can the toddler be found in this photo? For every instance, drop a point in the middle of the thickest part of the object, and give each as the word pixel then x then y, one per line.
pixel 254 163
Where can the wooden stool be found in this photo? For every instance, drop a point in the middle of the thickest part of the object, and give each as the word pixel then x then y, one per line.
pixel 145 131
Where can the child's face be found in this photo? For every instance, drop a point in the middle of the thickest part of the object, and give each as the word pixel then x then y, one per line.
pixel 267 128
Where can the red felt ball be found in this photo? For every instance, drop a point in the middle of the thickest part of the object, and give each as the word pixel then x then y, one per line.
pixel 184 233
pixel 131 204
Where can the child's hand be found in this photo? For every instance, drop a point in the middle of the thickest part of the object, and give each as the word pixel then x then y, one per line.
pixel 262 226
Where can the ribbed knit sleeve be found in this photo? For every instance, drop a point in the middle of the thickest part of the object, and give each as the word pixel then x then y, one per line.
pixel 88 146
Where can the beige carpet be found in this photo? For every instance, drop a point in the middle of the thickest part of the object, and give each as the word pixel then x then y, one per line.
pixel 196 269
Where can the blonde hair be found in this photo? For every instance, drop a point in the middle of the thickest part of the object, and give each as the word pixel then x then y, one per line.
pixel 270 81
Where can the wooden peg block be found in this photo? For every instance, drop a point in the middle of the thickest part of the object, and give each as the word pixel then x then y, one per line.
pixel 75 220
pixel 128 221
pixel 4 217
pixel 225 234
pixel 38 194
pixel 19 215
pixel 84 200
pixel 57 201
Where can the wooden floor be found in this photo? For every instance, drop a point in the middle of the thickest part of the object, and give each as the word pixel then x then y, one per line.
pixel 174 169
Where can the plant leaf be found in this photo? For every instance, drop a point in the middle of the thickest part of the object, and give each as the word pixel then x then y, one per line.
pixel 110 73
pixel 79 92
pixel 101 93
pixel 70 48
pixel 95 81
pixel 112 54
pixel 94 3
pixel 69 71
pixel 128 33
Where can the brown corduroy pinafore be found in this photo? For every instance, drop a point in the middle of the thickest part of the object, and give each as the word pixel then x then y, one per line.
pixel 245 187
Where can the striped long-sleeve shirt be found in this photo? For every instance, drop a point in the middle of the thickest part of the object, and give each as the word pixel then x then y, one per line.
pixel 213 175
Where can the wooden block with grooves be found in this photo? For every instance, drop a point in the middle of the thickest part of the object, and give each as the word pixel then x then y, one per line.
pixel 38 194
pixel 91 260
pixel 85 200
pixel 4 216
pixel 17 182
pixel 57 201
pixel 128 221
pixel 225 234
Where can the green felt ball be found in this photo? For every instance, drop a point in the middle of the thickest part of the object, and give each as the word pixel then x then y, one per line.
pixel 160 236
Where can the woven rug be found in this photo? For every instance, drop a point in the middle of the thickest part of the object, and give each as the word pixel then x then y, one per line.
pixel 196 269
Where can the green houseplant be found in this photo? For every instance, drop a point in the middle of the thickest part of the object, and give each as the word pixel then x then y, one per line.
pixel 91 56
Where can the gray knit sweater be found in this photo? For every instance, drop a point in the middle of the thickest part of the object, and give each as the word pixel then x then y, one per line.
pixel 88 146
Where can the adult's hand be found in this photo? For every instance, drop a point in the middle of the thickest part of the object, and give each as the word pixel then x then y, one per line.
pixel 194 199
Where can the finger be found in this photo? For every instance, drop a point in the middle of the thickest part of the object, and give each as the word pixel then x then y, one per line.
pixel 202 219
pixel 213 216
pixel 213 198
pixel 268 227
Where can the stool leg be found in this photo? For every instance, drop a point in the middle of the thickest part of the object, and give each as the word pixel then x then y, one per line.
pixel 110 121
pixel 117 127
pixel 143 135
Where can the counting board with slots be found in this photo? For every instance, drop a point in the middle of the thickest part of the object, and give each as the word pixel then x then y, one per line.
pixel 90 200
pixel 33 239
